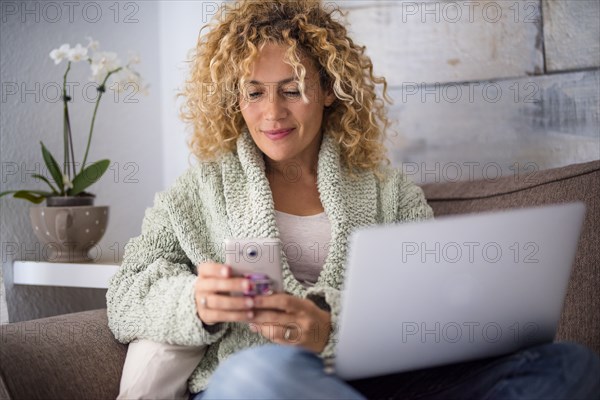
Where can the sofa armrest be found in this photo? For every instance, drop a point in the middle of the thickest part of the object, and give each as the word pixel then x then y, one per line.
pixel 63 357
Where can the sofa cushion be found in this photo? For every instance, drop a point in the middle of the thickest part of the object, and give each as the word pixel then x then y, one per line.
pixel 580 319
pixel 72 356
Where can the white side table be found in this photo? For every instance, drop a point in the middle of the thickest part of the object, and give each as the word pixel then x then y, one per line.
pixel 85 275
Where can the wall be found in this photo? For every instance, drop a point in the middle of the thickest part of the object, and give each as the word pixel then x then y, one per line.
pixel 486 88
pixel 126 132
pixel 180 23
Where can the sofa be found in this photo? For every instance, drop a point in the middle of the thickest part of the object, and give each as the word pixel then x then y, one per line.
pixel 75 356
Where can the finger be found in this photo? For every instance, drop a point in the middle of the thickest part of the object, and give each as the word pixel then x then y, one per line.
pixel 289 334
pixel 280 301
pixel 272 317
pixel 212 269
pixel 277 332
pixel 229 303
pixel 213 285
pixel 209 316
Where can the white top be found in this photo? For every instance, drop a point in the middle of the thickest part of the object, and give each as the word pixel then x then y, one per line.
pixel 305 242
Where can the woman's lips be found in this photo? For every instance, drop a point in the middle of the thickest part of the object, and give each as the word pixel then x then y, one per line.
pixel 278 134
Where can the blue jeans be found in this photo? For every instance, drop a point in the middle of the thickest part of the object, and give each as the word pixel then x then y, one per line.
pixel 549 371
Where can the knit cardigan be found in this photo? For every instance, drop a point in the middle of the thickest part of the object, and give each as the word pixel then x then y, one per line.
pixel 152 294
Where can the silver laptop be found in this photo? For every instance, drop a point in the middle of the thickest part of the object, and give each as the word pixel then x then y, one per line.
pixel 454 289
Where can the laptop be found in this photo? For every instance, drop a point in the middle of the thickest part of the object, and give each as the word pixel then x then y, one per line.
pixel 454 289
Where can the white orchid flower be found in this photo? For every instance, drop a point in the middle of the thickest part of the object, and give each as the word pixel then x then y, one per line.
pixel 133 59
pixel 130 81
pixel 67 184
pixel 145 90
pixel 77 53
pixel 102 64
pixel 92 44
pixel 126 80
pixel 59 54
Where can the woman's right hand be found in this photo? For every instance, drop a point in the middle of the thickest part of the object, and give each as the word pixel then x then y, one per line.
pixel 211 292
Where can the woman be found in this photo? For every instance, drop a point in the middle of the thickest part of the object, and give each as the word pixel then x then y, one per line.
pixel 289 130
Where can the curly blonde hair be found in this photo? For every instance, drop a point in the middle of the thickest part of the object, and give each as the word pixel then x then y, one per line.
pixel 222 61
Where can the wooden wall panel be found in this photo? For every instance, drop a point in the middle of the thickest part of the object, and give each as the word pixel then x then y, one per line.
pixel 441 41
pixel 530 123
pixel 571 34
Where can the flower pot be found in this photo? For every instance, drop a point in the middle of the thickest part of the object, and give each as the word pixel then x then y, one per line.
pixel 68 233
pixel 70 201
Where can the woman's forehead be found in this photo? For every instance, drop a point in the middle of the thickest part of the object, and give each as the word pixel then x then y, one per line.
pixel 280 73
pixel 280 82
pixel 273 80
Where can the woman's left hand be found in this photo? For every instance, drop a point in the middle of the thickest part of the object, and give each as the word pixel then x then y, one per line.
pixel 285 319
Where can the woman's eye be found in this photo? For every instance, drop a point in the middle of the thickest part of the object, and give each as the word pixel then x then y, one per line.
pixel 292 94
pixel 254 95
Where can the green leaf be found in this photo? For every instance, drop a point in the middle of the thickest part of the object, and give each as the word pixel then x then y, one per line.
pixel 8 192
pixel 88 176
pixel 43 178
pixel 34 196
pixel 53 168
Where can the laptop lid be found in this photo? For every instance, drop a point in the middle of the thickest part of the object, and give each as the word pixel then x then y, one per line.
pixel 457 288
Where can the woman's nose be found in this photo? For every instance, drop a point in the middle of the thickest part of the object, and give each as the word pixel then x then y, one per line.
pixel 275 108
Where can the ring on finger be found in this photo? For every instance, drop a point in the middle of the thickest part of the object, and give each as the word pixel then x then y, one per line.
pixel 203 302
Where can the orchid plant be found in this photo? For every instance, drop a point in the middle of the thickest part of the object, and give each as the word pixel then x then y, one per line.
pixel 68 181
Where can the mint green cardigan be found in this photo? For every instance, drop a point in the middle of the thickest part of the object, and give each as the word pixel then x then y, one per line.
pixel 152 295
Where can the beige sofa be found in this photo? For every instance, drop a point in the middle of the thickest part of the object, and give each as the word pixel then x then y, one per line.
pixel 75 356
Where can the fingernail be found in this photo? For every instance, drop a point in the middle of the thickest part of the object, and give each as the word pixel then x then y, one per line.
pixel 249 303
pixel 250 314
pixel 247 285
pixel 253 328
pixel 225 271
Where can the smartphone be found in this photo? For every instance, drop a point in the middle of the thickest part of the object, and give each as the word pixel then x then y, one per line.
pixel 259 260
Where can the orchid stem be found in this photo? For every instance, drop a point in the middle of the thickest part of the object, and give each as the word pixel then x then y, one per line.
pixel 66 127
pixel 101 90
pixel 71 144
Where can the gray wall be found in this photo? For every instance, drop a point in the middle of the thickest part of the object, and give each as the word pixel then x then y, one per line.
pixel 489 87
pixel 126 132
pixel 180 23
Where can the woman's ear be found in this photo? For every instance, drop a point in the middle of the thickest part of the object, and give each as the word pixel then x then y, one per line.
pixel 329 98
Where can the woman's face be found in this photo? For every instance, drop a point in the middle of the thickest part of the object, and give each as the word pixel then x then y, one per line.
pixel 284 127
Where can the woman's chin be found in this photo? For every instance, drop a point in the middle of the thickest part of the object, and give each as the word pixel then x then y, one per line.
pixel 277 157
